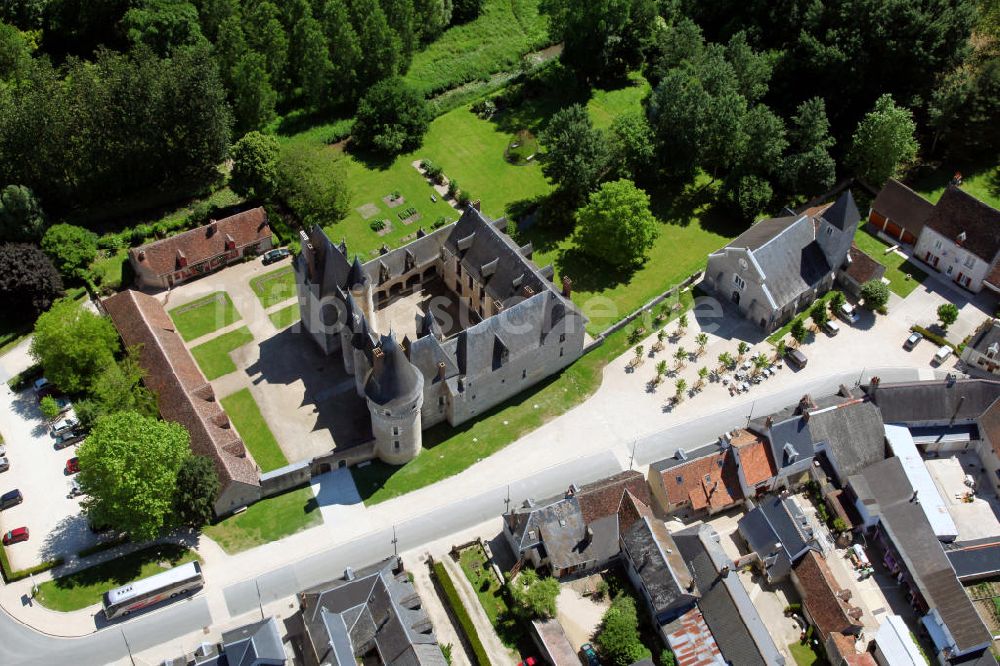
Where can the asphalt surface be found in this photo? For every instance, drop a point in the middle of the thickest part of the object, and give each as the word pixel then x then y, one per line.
pixel 20 644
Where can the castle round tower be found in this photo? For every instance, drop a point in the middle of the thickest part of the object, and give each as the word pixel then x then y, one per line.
pixel 394 391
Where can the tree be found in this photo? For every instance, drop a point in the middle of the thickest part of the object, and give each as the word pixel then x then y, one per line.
pixel 819 313
pixel 399 14
pixel 747 194
pixel 603 39
pixel 71 248
pixel 577 153
pixel 344 49
pixel 798 330
pixel 29 283
pixel 875 294
pixel 742 348
pixel 253 96
pixel 432 16
pixel 534 597
pixel 883 142
pixel 682 322
pixel 633 148
pixel 837 299
pixel 780 347
pixel 312 67
pixel 726 360
pixel 753 69
pixel 128 472
pixel 49 408
pixel 616 226
pixel 947 314
pixel 255 166
pixel 661 369
pixel 15 53
pixel 381 58
pixel 809 168
pixel 195 492
pixel 162 25
pixel 119 388
pixel 21 216
pixel 702 376
pixel 268 37
pixel 679 387
pixel 311 187
pixel 638 352
pixel 73 345
pixel 671 45
pixel 702 340
pixel 392 117
pixel 680 355
pixel 618 636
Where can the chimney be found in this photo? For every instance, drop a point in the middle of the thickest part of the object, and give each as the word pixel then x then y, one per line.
pixel 914 497
pixel 724 571
pixel 230 242
pixel 384 249
pixel 476 204
pixel 212 227
pixel 960 239
pixel 378 357
pixel 349 574
pixel 567 286
pixel 142 255
pixel 768 422
pixel 588 536
pixel 805 417
pixel 527 291
pixel 181 259
pixel 442 368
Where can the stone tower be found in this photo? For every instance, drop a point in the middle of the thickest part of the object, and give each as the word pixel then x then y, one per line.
pixel 394 390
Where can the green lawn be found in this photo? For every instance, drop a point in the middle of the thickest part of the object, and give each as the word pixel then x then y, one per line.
pixel 494 42
pixel 448 451
pixel 285 316
pixel 980 180
pixel 107 268
pixel 606 105
pixel 267 520
pixel 490 593
pixel 204 315
pixel 85 588
pixel 897 267
pixel 213 356
pixel 274 287
pixel 804 655
pixel 245 415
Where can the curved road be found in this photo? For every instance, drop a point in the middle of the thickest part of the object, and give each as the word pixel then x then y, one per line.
pixel 21 644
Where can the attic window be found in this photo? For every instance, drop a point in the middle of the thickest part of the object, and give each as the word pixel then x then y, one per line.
pixel 562 522
pixel 719 462
pixel 829 231
pixel 680 479
pixel 708 478
pixel 531 534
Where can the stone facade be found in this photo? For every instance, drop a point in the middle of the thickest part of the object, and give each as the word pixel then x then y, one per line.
pixel 508 327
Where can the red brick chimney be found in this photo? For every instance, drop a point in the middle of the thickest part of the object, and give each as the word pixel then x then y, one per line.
pixel 567 286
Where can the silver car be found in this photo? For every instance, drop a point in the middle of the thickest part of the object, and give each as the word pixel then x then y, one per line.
pixel 64 425
pixel 4 464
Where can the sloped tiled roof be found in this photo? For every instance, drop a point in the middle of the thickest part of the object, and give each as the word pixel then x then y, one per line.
pixel 862 267
pixel 822 597
pixel 708 481
pixel 755 457
pixel 202 243
pixel 959 212
pixel 183 394
pixel 902 206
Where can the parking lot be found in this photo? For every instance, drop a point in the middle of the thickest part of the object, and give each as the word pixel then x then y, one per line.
pixel 57 527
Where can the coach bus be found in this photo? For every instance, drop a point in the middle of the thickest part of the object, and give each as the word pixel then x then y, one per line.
pixel 148 591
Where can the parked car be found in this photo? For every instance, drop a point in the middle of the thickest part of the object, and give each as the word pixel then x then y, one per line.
pixel 42 384
pixel 277 254
pixel 4 463
pixel 942 354
pixel 74 489
pixel 64 425
pixel 63 402
pixel 590 654
pixel 912 341
pixel 831 327
pixel 3 450
pixel 68 438
pixel 11 498
pixel 16 535
pixel 849 313
pixel 530 661
pixel 72 466
pixel 796 358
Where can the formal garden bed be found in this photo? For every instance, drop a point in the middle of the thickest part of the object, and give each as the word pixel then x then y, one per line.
pixel 213 356
pixel 274 287
pixel 242 410
pixel 205 315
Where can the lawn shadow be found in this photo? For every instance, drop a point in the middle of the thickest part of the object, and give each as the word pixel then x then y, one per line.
pixel 299 121
pixel 935 177
pixel 121 570
pixel 370 159
pixel 69 536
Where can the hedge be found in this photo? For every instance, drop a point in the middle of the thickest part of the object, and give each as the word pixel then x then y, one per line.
pixel 14 576
pixel 936 339
pixel 461 614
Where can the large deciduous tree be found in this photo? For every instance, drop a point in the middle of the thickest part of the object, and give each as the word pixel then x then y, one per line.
pixel 71 248
pixel 883 142
pixel 809 168
pixel 577 153
pixel 29 283
pixel 21 216
pixel 382 47
pixel 311 187
pixel 253 96
pixel 618 636
pixel 163 25
pixel 616 226
pixel 74 345
pixel 344 49
pixel 128 471
pixel 633 146
pixel 197 488
pixel 534 597
pixel 255 166
pixel 392 117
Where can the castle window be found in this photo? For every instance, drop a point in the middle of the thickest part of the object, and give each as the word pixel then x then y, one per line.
pixel 395 444
pixel 441 400
pixel 524 373
pixel 458 269
pixel 739 282
pixel 395 430
pixel 470 282
pixel 560 351
pixel 562 337
pixel 829 231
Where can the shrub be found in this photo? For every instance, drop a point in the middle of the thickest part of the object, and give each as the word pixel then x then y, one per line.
pixel 392 117
pixel 793 608
pixel 71 248
pixel 377 225
pixel 452 187
pixel 947 314
pixel 618 636
pixel 49 407
pixel 875 293
pixel 440 222
pixel 461 614
pixel 464 198
pixel 840 525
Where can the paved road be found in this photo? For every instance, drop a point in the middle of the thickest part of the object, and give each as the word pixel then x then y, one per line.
pixel 22 645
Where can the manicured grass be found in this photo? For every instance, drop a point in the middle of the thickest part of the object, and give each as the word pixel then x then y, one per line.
pixel 493 42
pixel 490 592
pixel 85 587
pixel 267 520
pixel 897 267
pixel 802 316
pixel 245 415
pixel 449 451
pixel 285 316
pixel 606 105
pixel 804 655
pixel 213 356
pixel 274 287
pixel 204 315
pixel 980 180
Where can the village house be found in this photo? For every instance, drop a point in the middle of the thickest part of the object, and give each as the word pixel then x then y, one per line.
pixel 778 533
pixel 171 261
pixel 824 602
pixel 899 213
pixel 983 351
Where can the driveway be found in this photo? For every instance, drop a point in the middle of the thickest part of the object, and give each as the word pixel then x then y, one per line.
pixel 56 523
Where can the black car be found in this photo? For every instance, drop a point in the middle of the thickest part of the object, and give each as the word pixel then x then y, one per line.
pixel 278 254
pixel 9 499
pixel 796 358
pixel 67 438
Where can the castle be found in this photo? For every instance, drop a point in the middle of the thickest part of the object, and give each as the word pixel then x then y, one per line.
pixel 441 329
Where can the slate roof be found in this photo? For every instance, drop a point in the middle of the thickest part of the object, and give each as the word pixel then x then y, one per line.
pixel 958 211
pixel 378 609
pixel 183 394
pixel 202 243
pixel 728 611
pixel 987 335
pixel 777 530
pixel 763 231
pixel 256 644
pixel 854 433
pixel 915 403
pixel 708 479
pixel 822 597
pixel 654 556
pixel 395 381
pixel 885 491
pixel 792 261
pixel 843 213
pixel 902 206
pixel 790 440
pixel 976 560
pixel 863 268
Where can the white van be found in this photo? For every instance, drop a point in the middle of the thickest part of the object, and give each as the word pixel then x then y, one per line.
pixel 942 354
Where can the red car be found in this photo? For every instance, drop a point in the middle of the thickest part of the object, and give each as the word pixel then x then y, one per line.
pixel 530 661
pixel 72 466
pixel 15 536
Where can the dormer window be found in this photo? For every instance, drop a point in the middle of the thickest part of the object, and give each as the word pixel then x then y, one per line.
pixel 993 350
pixel 829 231
pixel 739 282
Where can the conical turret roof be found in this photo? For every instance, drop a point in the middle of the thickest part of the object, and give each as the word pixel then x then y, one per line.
pixel 393 379
pixel 357 275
